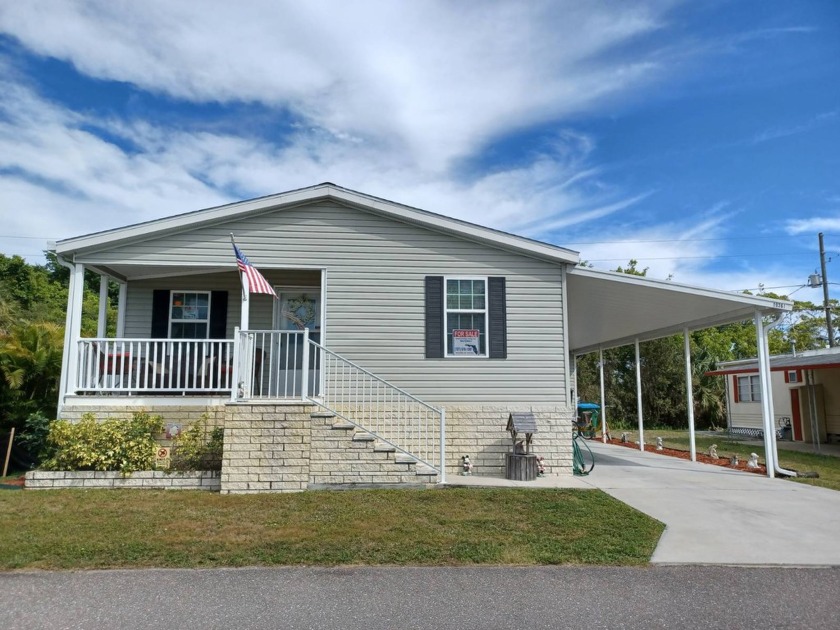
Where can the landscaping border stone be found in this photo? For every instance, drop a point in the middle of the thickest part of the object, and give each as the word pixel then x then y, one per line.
pixel 148 479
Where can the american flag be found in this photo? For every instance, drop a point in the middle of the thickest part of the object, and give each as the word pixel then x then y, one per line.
pixel 256 282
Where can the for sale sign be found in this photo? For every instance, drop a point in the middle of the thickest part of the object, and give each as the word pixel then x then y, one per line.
pixel 465 342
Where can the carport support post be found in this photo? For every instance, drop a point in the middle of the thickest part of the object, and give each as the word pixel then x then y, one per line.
pixel 766 393
pixel 603 401
pixel 639 398
pixel 689 395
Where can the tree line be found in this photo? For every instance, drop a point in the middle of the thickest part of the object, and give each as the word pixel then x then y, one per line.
pixel 33 307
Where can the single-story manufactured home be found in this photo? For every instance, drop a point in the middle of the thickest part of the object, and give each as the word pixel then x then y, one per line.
pixel 399 340
pixel 806 395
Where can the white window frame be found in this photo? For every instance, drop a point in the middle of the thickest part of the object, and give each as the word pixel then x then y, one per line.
pixel 793 376
pixel 447 310
pixel 172 293
pixel 752 398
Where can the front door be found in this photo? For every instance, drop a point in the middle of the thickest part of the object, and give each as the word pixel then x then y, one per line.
pixel 297 308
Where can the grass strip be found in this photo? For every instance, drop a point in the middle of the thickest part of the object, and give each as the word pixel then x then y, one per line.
pixel 97 529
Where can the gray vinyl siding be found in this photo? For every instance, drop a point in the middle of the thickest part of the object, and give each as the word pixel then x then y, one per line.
pixel 375 296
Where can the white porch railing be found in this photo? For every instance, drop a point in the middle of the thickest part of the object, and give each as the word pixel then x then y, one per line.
pixel 391 414
pixel 273 365
pixel 136 366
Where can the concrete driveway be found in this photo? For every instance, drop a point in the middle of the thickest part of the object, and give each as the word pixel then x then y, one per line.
pixel 718 516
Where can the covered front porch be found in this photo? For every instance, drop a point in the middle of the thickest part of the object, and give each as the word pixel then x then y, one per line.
pixel 194 333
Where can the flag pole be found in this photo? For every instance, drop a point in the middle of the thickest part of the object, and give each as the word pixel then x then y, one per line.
pixel 244 289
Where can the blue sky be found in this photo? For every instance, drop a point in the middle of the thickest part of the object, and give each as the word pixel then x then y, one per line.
pixel 700 138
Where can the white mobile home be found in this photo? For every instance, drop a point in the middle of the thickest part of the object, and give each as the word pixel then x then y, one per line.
pixel 394 331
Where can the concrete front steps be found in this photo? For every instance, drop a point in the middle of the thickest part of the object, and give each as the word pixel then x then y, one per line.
pixel 345 456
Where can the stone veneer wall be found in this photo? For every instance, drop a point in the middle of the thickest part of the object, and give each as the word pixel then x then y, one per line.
pixel 480 431
pixel 148 479
pixel 289 448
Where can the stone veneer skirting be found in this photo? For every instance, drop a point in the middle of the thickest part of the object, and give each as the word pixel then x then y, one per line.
pixel 293 447
pixel 289 448
pixel 148 479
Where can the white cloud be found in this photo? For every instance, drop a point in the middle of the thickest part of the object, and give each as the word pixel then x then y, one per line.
pixel 436 79
pixel 813 225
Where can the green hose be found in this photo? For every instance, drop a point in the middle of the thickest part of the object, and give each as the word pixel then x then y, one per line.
pixel 578 462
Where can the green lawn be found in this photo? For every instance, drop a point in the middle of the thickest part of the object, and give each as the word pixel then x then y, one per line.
pixel 827 466
pixel 93 529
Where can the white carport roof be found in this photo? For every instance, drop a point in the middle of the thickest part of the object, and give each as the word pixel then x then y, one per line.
pixel 609 309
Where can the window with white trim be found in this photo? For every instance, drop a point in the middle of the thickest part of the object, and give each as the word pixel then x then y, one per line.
pixel 749 389
pixel 189 315
pixel 793 376
pixel 465 317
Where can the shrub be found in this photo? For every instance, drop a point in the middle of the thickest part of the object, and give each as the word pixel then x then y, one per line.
pixel 113 444
pixel 198 448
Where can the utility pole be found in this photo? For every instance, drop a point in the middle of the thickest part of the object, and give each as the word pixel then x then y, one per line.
pixel 828 324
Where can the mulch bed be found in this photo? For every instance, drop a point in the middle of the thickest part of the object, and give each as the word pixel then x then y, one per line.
pixel 13 483
pixel 701 457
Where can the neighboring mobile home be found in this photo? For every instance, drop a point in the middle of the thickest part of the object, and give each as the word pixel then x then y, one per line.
pixel 806 395
pixel 399 342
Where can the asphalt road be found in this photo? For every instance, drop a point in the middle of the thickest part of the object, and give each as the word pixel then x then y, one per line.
pixel 428 598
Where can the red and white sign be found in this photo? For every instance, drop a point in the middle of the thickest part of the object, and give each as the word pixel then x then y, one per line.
pixel 465 342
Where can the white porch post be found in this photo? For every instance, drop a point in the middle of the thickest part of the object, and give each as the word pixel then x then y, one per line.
pixel 639 397
pixel 121 310
pixel 74 319
pixel 237 351
pixel 689 395
pixel 64 381
pixel 102 321
pixel 603 399
pixel 244 324
pixel 766 393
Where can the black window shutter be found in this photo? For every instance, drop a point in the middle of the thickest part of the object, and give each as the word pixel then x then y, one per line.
pixel 434 317
pixel 497 316
pixel 218 314
pixel 160 314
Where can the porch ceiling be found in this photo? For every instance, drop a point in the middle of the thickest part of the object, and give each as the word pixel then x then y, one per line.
pixel 134 271
pixel 608 309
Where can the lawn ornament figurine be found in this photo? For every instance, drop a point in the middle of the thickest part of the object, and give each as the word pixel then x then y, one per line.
pixel 659 446
pixel 540 466
pixel 753 461
pixel 466 465
pixel 713 451
pixel 624 438
pixel 733 461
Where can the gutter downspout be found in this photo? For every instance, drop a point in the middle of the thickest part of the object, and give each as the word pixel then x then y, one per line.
pixel 770 448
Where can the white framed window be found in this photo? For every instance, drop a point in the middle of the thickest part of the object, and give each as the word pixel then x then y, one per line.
pixel 749 389
pixel 793 376
pixel 465 317
pixel 189 315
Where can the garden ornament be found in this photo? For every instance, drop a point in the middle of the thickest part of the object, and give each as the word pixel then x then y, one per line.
pixel 733 461
pixel 753 461
pixel 713 451
pixel 659 446
pixel 623 438
pixel 466 465
pixel 540 466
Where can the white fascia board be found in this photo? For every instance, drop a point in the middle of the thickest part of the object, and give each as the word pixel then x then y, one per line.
pixel 141 231
pixel 757 302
